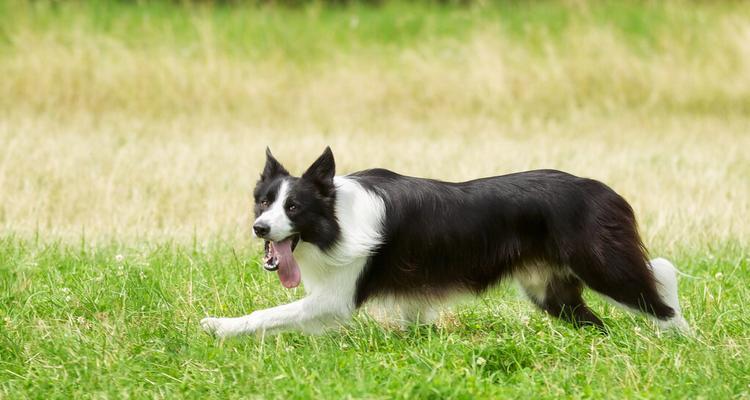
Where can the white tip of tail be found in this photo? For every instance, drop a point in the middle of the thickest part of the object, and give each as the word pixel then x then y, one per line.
pixel 666 283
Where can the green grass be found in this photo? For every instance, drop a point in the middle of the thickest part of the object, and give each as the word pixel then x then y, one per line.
pixel 312 32
pixel 144 124
pixel 75 322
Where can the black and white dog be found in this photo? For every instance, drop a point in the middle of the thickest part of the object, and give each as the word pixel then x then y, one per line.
pixel 376 234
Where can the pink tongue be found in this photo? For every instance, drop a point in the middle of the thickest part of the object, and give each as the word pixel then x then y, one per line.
pixel 288 268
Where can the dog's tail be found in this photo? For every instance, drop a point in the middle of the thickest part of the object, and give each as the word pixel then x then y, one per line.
pixel 665 275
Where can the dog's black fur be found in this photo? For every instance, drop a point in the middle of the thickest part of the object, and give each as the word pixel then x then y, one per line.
pixel 441 236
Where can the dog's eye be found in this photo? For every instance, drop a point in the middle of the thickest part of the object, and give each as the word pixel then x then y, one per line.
pixel 291 207
pixel 264 203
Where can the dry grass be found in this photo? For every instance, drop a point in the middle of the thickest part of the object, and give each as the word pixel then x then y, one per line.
pixel 134 126
pixel 122 140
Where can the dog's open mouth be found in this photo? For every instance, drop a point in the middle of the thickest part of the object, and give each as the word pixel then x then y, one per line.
pixel 278 257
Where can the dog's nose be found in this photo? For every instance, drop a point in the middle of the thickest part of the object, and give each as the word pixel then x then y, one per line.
pixel 261 229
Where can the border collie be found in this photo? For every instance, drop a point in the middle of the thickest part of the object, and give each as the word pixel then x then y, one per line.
pixel 376 234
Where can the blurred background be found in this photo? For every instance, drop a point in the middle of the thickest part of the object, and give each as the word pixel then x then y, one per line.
pixel 133 121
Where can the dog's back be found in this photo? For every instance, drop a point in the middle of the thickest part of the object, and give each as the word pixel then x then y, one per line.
pixel 551 230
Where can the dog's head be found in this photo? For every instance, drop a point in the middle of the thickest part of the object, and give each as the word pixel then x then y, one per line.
pixel 289 209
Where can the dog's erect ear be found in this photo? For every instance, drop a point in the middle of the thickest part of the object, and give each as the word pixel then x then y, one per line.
pixel 322 170
pixel 273 167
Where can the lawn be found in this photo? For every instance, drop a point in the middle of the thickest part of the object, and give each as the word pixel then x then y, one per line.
pixel 131 136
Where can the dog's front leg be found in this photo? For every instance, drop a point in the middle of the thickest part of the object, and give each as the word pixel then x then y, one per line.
pixel 311 315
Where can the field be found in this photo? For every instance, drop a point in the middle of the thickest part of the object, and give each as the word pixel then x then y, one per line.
pixel 131 136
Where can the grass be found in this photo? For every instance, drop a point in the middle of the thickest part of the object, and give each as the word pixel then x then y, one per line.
pixel 79 323
pixel 138 130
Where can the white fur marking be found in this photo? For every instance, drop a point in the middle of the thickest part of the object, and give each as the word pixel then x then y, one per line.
pixel 534 280
pixel 665 274
pixel 330 277
pixel 275 217
pixel 406 311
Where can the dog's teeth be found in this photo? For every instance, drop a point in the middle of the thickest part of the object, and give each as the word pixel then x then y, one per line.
pixel 271 264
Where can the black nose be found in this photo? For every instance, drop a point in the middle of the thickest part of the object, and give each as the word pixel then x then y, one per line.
pixel 261 229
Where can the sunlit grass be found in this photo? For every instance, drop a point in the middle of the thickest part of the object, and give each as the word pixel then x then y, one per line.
pixel 81 321
pixel 139 131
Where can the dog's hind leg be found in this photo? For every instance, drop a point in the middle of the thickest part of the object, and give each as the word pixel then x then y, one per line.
pixel 559 295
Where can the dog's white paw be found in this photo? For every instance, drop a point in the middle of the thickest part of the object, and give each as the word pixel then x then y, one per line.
pixel 210 325
pixel 677 325
pixel 219 327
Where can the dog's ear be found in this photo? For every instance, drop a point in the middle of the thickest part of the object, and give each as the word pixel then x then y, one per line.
pixel 273 167
pixel 321 171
